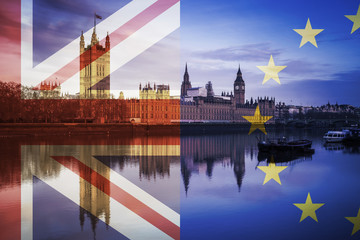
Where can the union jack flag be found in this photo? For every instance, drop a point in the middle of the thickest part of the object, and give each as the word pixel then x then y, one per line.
pixel 133 28
pixel 87 176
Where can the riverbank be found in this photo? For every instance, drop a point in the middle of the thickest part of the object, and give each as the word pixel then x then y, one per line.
pixel 38 129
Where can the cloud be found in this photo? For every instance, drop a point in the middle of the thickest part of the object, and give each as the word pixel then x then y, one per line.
pixel 353 75
pixel 302 69
pixel 340 36
pixel 241 53
pixel 10 20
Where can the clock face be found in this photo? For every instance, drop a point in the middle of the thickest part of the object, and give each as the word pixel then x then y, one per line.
pixel 236 87
pixel 242 87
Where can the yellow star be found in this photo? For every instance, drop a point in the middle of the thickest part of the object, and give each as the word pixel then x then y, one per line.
pixel 308 208
pixel 308 34
pixel 257 121
pixel 271 71
pixel 355 19
pixel 356 222
pixel 272 171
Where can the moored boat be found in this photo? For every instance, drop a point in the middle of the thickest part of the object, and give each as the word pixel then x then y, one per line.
pixel 352 136
pixel 335 136
pixel 303 145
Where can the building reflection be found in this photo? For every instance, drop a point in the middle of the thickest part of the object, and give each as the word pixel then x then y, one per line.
pixel 150 167
pixel 32 155
pixel 36 159
pixel 94 202
pixel 199 154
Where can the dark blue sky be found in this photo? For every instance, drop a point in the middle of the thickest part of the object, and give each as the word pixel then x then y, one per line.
pixel 218 35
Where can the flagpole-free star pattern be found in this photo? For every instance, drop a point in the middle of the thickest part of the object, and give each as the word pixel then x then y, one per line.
pixel 257 121
pixel 272 171
pixel 271 71
pixel 308 34
pixel 356 222
pixel 355 19
pixel 308 208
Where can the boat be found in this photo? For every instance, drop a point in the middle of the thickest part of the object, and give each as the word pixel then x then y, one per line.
pixel 335 136
pixel 282 144
pixel 352 136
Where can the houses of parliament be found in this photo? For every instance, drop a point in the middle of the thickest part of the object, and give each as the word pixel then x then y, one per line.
pixel 154 105
pixel 200 104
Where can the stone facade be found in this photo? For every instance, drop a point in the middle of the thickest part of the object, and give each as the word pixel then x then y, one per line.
pixel 94 68
pixel 155 106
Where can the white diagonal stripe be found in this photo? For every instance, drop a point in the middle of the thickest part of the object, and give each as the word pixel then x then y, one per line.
pixel 124 52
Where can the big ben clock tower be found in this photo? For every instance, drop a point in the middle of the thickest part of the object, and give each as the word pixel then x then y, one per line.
pixel 239 88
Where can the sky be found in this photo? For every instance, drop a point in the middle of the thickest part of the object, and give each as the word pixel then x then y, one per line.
pixel 214 38
pixel 217 36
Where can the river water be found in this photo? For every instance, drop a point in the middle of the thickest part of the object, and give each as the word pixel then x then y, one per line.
pixel 223 195
pixel 212 181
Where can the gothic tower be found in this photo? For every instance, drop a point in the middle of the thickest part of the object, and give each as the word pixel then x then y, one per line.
pixel 239 88
pixel 186 84
pixel 94 68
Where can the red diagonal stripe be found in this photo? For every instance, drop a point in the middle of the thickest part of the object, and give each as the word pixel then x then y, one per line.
pixel 120 195
pixel 116 37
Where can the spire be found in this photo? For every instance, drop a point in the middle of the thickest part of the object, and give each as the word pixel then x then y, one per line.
pixel 185 85
pixel 239 76
pixel 186 74
pixel 239 71
pixel 94 38
pixel 107 43
pixel 82 43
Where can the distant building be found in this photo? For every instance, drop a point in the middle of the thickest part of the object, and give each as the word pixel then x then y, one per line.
pixel 281 111
pixel 202 105
pixel 293 110
pixel 196 92
pixel 155 106
pixel 157 92
pixel 285 112
pixel 50 90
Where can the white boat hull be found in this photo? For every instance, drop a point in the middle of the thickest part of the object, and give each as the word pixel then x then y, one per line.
pixel 334 140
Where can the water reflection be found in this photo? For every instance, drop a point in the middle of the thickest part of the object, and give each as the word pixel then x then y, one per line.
pixel 344 148
pixel 140 159
pixel 214 166
pixel 149 167
pixel 199 154
pixel 94 198
pixel 285 158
